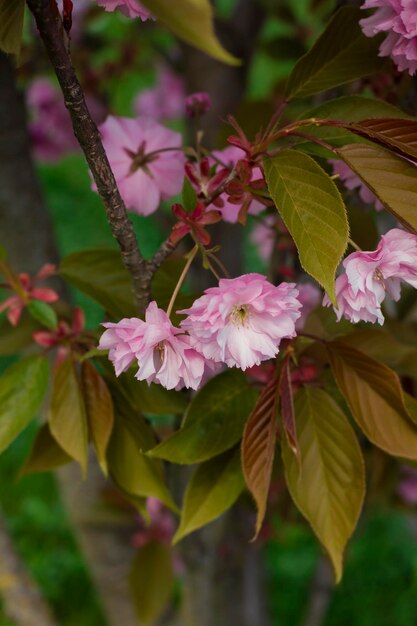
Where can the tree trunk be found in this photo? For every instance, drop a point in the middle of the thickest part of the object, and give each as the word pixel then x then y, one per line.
pixel 25 226
pixel 224 583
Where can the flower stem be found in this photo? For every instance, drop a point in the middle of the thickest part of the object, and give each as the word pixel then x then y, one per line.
pixel 354 245
pixel 181 279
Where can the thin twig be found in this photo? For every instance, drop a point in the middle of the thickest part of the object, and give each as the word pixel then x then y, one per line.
pixel 49 23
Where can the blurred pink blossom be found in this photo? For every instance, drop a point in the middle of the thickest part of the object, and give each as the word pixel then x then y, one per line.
pixel 397 18
pixel 164 353
pixel 369 276
pixel 50 124
pixel 264 236
pixel 165 100
pixel 352 181
pixel 407 487
pixel 310 297
pixel 130 8
pixel 146 169
pixel 242 321
pixel 197 104
pixel 161 527
pixel 25 291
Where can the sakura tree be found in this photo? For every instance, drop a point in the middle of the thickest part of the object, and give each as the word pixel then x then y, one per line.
pixel 296 374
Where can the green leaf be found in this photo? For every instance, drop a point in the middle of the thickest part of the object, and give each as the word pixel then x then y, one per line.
pixel 151 581
pixel 340 55
pixel 214 421
pixel 43 313
pixel 22 389
pixel 46 455
pixel 346 109
pixel 11 25
pixel 313 211
pixel 101 275
pixel 67 416
pixel 99 411
pixel 135 473
pixel 392 179
pixel 192 21
pixel 14 338
pixel 214 487
pixel 189 196
pixel 3 253
pixel 258 447
pixel 328 482
pixel 382 345
pixel 153 399
pixel 374 395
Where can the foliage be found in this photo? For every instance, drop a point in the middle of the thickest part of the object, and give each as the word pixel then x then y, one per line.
pixel 323 393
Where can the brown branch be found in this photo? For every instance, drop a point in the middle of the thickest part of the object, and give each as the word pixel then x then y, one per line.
pixel 22 599
pixel 49 24
pixel 164 251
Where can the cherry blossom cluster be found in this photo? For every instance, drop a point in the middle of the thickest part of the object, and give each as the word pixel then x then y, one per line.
pixel 370 276
pixel 398 19
pixel 240 323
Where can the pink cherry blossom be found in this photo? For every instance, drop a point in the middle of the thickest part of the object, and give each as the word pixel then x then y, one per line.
pixel 131 8
pixel 370 276
pixel 121 339
pixel 164 353
pixel 242 321
pixel 166 100
pixel 144 175
pixel 397 18
pixel 228 158
pixel 352 181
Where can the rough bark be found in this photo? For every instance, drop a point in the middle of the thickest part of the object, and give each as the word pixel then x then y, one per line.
pixel 224 582
pixel 321 593
pixel 22 600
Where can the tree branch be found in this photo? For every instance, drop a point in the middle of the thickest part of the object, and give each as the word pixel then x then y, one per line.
pixel 50 27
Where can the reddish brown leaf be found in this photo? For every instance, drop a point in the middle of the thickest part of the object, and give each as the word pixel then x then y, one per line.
pixel 99 410
pixel 399 135
pixel 375 398
pixel 258 447
pixel 287 407
pixel 392 179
